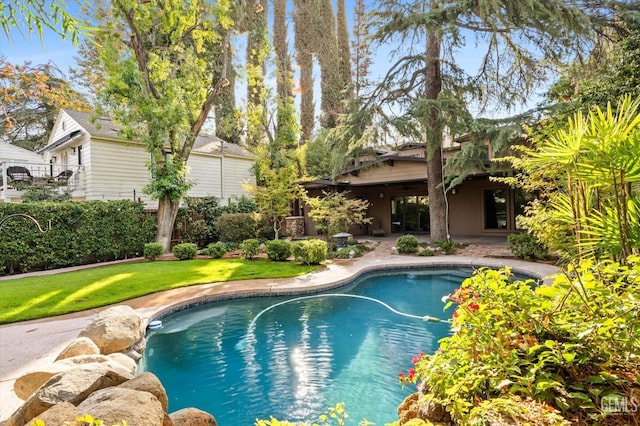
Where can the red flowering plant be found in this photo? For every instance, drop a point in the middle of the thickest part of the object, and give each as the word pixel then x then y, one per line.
pixel 559 347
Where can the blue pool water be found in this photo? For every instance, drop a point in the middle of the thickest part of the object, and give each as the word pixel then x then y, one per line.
pixel 248 359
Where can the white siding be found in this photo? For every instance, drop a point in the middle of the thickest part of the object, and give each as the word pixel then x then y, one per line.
pixel 115 171
pixel 236 173
pixel 204 170
pixel 210 181
pixel 12 153
pixel 66 125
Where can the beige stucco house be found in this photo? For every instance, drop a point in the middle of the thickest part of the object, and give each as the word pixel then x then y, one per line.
pixel 394 181
pixel 90 158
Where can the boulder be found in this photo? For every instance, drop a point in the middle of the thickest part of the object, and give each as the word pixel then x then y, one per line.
pixel 59 414
pixel 72 386
pixel 126 361
pixel 192 417
pixel 125 364
pixel 113 405
pixel 79 346
pixel 27 384
pixel 115 329
pixel 149 382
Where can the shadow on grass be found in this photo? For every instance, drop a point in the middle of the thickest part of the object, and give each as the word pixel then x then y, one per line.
pixel 49 295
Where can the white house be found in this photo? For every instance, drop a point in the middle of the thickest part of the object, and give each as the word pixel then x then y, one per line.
pixel 91 159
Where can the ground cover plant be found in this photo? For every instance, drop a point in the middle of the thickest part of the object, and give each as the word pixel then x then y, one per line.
pixel 44 296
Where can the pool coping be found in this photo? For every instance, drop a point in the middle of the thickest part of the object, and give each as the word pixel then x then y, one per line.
pixel 29 345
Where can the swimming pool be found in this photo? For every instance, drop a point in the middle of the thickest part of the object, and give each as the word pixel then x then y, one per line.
pixel 293 357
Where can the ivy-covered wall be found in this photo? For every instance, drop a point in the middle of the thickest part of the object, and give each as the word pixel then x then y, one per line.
pixel 81 233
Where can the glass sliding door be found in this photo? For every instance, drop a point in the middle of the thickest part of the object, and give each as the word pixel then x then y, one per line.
pixel 410 214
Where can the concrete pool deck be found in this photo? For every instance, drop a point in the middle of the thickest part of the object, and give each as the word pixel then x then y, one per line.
pixel 26 345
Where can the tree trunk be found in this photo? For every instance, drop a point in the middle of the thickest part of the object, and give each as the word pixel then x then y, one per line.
pixel 437 202
pixel 167 212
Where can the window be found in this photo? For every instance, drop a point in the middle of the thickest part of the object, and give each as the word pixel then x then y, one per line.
pixel 495 209
pixel 502 208
pixel 410 214
pixel 79 151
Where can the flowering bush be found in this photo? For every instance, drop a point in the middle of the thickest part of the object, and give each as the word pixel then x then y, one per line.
pixel 567 346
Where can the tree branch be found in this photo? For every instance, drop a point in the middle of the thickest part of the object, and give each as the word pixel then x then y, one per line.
pixel 138 48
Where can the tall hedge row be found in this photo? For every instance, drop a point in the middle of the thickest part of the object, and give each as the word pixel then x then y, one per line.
pixel 81 233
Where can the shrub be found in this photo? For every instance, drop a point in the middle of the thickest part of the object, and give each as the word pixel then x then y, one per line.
pixel 278 250
pixel 236 227
pixel 185 251
pixel 568 345
pixel 215 250
pixel 526 246
pixel 425 252
pixel 447 247
pixel 407 244
pixel 345 253
pixel 81 233
pixel 249 248
pixel 153 250
pixel 196 220
pixel 228 245
pixel 310 252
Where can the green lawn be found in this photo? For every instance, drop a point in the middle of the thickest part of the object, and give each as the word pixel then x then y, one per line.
pixel 48 295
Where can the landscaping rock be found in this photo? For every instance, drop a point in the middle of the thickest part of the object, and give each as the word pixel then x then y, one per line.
pixel 72 386
pixel 125 360
pixel 113 405
pixel 28 384
pixel 115 329
pixel 59 414
pixel 108 360
pixel 416 406
pixel 192 417
pixel 79 346
pixel 149 382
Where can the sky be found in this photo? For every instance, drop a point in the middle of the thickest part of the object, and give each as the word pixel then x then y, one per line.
pixel 24 47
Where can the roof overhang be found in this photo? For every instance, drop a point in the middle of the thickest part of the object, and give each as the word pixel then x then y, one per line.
pixel 62 141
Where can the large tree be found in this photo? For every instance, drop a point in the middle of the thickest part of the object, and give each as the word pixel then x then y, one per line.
pixel 161 84
pixel 518 43
pixel 611 71
pixel 258 48
pixel 30 96
pixel 304 30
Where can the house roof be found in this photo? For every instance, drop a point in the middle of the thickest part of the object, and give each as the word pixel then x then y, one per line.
pixel 104 127
pixel 13 152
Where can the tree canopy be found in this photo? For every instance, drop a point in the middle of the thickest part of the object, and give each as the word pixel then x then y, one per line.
pixel 161 83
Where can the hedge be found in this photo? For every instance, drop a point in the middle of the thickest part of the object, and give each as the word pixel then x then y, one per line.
pixel 81 233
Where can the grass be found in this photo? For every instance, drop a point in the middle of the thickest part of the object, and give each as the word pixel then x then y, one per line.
pixel 49 295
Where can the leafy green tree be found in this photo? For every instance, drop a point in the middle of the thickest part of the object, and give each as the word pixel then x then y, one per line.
pixel 258 49
pixel 331 84
pixel 611 71
pixel 344 51
pixel 161 84
pixel 286 132
pixel 304 25
pixel 334 212
pixel 432 91
pixel 361 49
pixel 275 195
